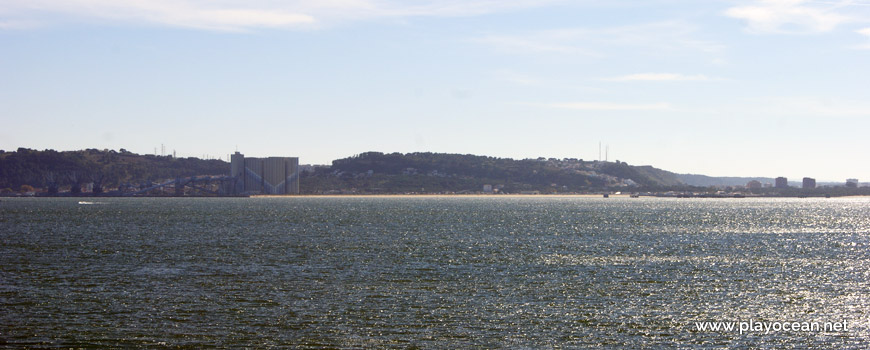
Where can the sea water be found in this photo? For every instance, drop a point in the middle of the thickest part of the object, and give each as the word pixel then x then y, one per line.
pixel 435 272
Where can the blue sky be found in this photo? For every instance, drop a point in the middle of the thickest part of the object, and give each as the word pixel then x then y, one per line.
pixel 725 88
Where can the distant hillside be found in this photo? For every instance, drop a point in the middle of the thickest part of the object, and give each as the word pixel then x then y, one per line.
pixel 375 172
pixel 370 172
pixel 644 175
pixel 50 168
pixel 705 181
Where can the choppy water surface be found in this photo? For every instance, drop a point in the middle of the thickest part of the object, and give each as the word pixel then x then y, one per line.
pixel 531 272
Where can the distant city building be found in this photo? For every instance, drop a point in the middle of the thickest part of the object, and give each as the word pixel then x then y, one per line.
pixel 781 182
pixel 273 175
pixel 754 184
pixel 487 188
pixel 809 182
pixel 851 182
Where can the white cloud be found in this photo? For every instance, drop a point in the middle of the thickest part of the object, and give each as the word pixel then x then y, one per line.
pixel 660 77
pixel 607 106
pixel 791 16
pixel 239 15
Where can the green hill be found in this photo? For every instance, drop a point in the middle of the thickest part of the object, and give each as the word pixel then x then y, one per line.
pixel 52 169
pixel 375 172
pixel 370 172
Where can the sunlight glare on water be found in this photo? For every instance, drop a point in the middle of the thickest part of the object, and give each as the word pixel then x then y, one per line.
pixel 431 272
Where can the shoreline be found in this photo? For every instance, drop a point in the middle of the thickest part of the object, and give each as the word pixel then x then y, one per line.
pixel 437 195
pixel 526 196
pixel 621 195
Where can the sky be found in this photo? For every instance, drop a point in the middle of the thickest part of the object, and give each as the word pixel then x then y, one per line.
pixel 721 88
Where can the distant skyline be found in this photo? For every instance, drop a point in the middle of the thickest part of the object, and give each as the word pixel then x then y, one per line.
pixel 720 88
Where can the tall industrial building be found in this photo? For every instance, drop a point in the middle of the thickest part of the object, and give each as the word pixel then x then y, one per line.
pixel 272 175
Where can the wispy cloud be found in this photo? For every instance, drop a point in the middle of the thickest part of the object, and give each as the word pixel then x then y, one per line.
pixel 802 106
pixel 450 8
pixel 239 15
pixel 657 38
pixel 534 44
pixel 606 106
pixel 556 82
pixel 190 14
pixel 792 16
pixel 660 77
pixel 18 24
pixel 864 32
pixel 517 78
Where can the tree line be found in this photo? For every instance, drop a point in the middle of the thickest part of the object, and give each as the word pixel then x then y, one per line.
pixel 439 172
pixel 52 170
